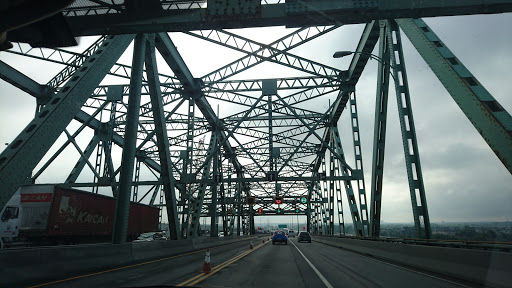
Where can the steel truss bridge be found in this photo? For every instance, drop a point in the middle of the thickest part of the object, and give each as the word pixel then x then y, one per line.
pixel 179 154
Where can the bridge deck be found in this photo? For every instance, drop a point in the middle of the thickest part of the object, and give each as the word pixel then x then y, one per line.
pixel 266 266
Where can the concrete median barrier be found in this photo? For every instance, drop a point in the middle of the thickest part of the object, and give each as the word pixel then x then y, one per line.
pixel 26 265
pixel 155 249
pixel 32 265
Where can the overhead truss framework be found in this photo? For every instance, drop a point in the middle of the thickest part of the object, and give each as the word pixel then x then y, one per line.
pixel 178 154
pixel 119 17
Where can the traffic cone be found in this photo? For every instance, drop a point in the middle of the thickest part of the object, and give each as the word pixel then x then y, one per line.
pixel 250 247
pixel 207 268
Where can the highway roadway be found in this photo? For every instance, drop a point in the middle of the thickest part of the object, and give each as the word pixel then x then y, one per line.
pixel 235 265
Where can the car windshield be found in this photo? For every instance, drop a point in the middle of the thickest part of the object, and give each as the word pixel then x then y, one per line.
pixel 146 235
pixel 10 213
pixel 219 121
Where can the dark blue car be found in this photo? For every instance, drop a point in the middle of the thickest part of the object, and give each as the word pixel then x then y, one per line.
pixel 279 236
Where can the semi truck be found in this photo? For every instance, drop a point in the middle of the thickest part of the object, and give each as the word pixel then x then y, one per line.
pixel 50 214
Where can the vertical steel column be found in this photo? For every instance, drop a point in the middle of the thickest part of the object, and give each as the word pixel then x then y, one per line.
pixel 308 207
pixel 188 168
pixel 313 209
pixel 129 145
pixel 161 202
pixel 108 169
pixel 99 158
pixel 187 164
pixel 252 227
pixel 336 142
pixel 194 213
pixel 223 211
pixel 232 205
pixel 162 140
pixel 238 205
pixel 325 200
pixel 136 179
pixel 269 88
pixel 332 187
pixel 379 134
pixel 270 137
pixel 213 208
pixel 319 207
pixel 410 143
pixel 358 152
pixel 352 203
pixel 244 223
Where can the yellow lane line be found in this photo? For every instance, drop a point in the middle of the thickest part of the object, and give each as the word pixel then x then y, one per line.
pixel 198 278
pixel 220 266
pixel 125 267
pixel 213 269
pixel 225 265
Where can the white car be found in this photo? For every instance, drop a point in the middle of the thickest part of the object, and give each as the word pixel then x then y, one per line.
pixel 151 236
pixel 291 234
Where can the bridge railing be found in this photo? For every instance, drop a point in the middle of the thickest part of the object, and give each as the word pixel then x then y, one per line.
pixel 485 265
pixel 481 245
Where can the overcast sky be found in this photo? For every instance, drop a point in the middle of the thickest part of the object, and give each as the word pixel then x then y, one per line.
pixel 464 180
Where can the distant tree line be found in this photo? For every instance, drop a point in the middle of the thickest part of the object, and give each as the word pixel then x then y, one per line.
pixel 471 234
pixel 467 233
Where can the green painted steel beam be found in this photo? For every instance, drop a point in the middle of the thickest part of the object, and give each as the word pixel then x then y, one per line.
pixel 379 134
pixel 19 80
pixel 278 56
pixel 358 154
pixel 94 21
pixel 197 204
pixel 367 42
pixel 77 169
pixel 160 129
pixel 359 225
pixel 408 129
pixel 122 212
pixel 285 43
pixel 488 117
pixel 26 151
pixel 192 88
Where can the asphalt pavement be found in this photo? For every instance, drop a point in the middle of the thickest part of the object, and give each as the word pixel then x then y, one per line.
pixel 267 265
pixel 317 265
pixel 165 271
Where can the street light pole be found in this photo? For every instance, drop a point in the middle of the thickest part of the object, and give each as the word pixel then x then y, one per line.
pixel 340 54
